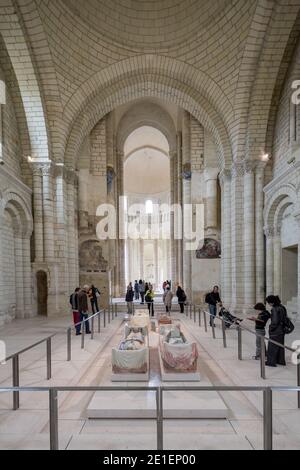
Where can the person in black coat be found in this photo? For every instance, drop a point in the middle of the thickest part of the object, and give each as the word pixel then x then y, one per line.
pixel 129 298
pixel 276 354
pixel 180 294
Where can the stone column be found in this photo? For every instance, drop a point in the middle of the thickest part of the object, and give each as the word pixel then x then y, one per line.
pixel 259 231
pixel 71 229
pixel 61 230
pixel 19 274
pixel 47 173
pixel 211 200
pixel 141 245
pixel 186 199
pixel 225 181
pixel 277 261
pixel 173 198
pixel 297 216
pixel 27 277
pixel 237 251
pixel 38 212
pixel 121 243
pixel 156 262
pixel 179 246
pixel 269 232
pixel 249 235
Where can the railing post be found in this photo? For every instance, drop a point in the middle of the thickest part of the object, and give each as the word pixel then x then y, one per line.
pixel 159 417
pixel 92 327
pixel 108 316
pixel 82 334
pixel 298 379
pixel 205 320
pixel 116 310
pixel 16 382
pixel 199 317
pixel 224 334
pixel 194 313
pixel 213 329
pixel 99 326
pixel 268 420
pixel 49 353
pixel 104 318
pixel 190 311
pixel 240 352
pixel 53 419
pixel 69 339
pixel 262 358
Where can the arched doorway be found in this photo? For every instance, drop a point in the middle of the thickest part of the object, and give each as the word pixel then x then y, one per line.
pixel 42 293
pixel 147 183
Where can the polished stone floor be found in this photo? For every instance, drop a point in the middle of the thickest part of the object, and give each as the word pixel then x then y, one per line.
pixel 28 427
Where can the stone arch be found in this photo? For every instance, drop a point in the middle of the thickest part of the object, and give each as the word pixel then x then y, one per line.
pixel 154 116
pixel 20 208
pixel 284 195
pixel 157 86
pixel 20 55
pixel 17 244
pixel 264 84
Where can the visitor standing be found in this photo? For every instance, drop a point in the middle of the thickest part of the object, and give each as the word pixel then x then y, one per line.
pixel 129 298
pixel 276 353
pixel 136 290
pixel 212 299
pixel 84 308
pixel 180 294
pixel 94 295
pixel 142 290
pixel 150 301
pixel 262 318
pixel 75 309
pixel 167 299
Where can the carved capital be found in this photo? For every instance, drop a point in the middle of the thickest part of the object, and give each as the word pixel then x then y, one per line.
pixel 224 177
pixel 47 169
pixel 238 169
pixel 269 231
pixel 249 166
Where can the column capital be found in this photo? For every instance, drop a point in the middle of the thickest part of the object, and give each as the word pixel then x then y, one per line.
pixel 224 176
pixel 237 169
pixel 269 231
pixel 47 169
pixel 260 166
pixel 249 166
pixel 211 174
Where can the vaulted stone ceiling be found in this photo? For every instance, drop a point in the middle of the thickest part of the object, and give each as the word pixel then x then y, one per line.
pixel 148 23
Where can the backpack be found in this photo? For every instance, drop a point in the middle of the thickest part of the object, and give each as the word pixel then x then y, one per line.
pixel 288 326
pixel 207 298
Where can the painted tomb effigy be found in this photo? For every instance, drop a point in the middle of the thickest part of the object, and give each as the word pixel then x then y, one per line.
pixel 130 360
pixel 177 353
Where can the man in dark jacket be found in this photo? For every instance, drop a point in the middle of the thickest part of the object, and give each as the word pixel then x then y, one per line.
pixel 75 309
pixel 84 308
pixel 262 318
pixel 212 299
pixel 276 353
pixel 180 294
pixel 129 299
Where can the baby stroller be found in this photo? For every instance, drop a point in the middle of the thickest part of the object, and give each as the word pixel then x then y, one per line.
pixel 228 318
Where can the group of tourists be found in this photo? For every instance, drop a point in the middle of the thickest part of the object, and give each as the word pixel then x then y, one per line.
pixel 279 326
pixel 79 301
pixel 144 292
